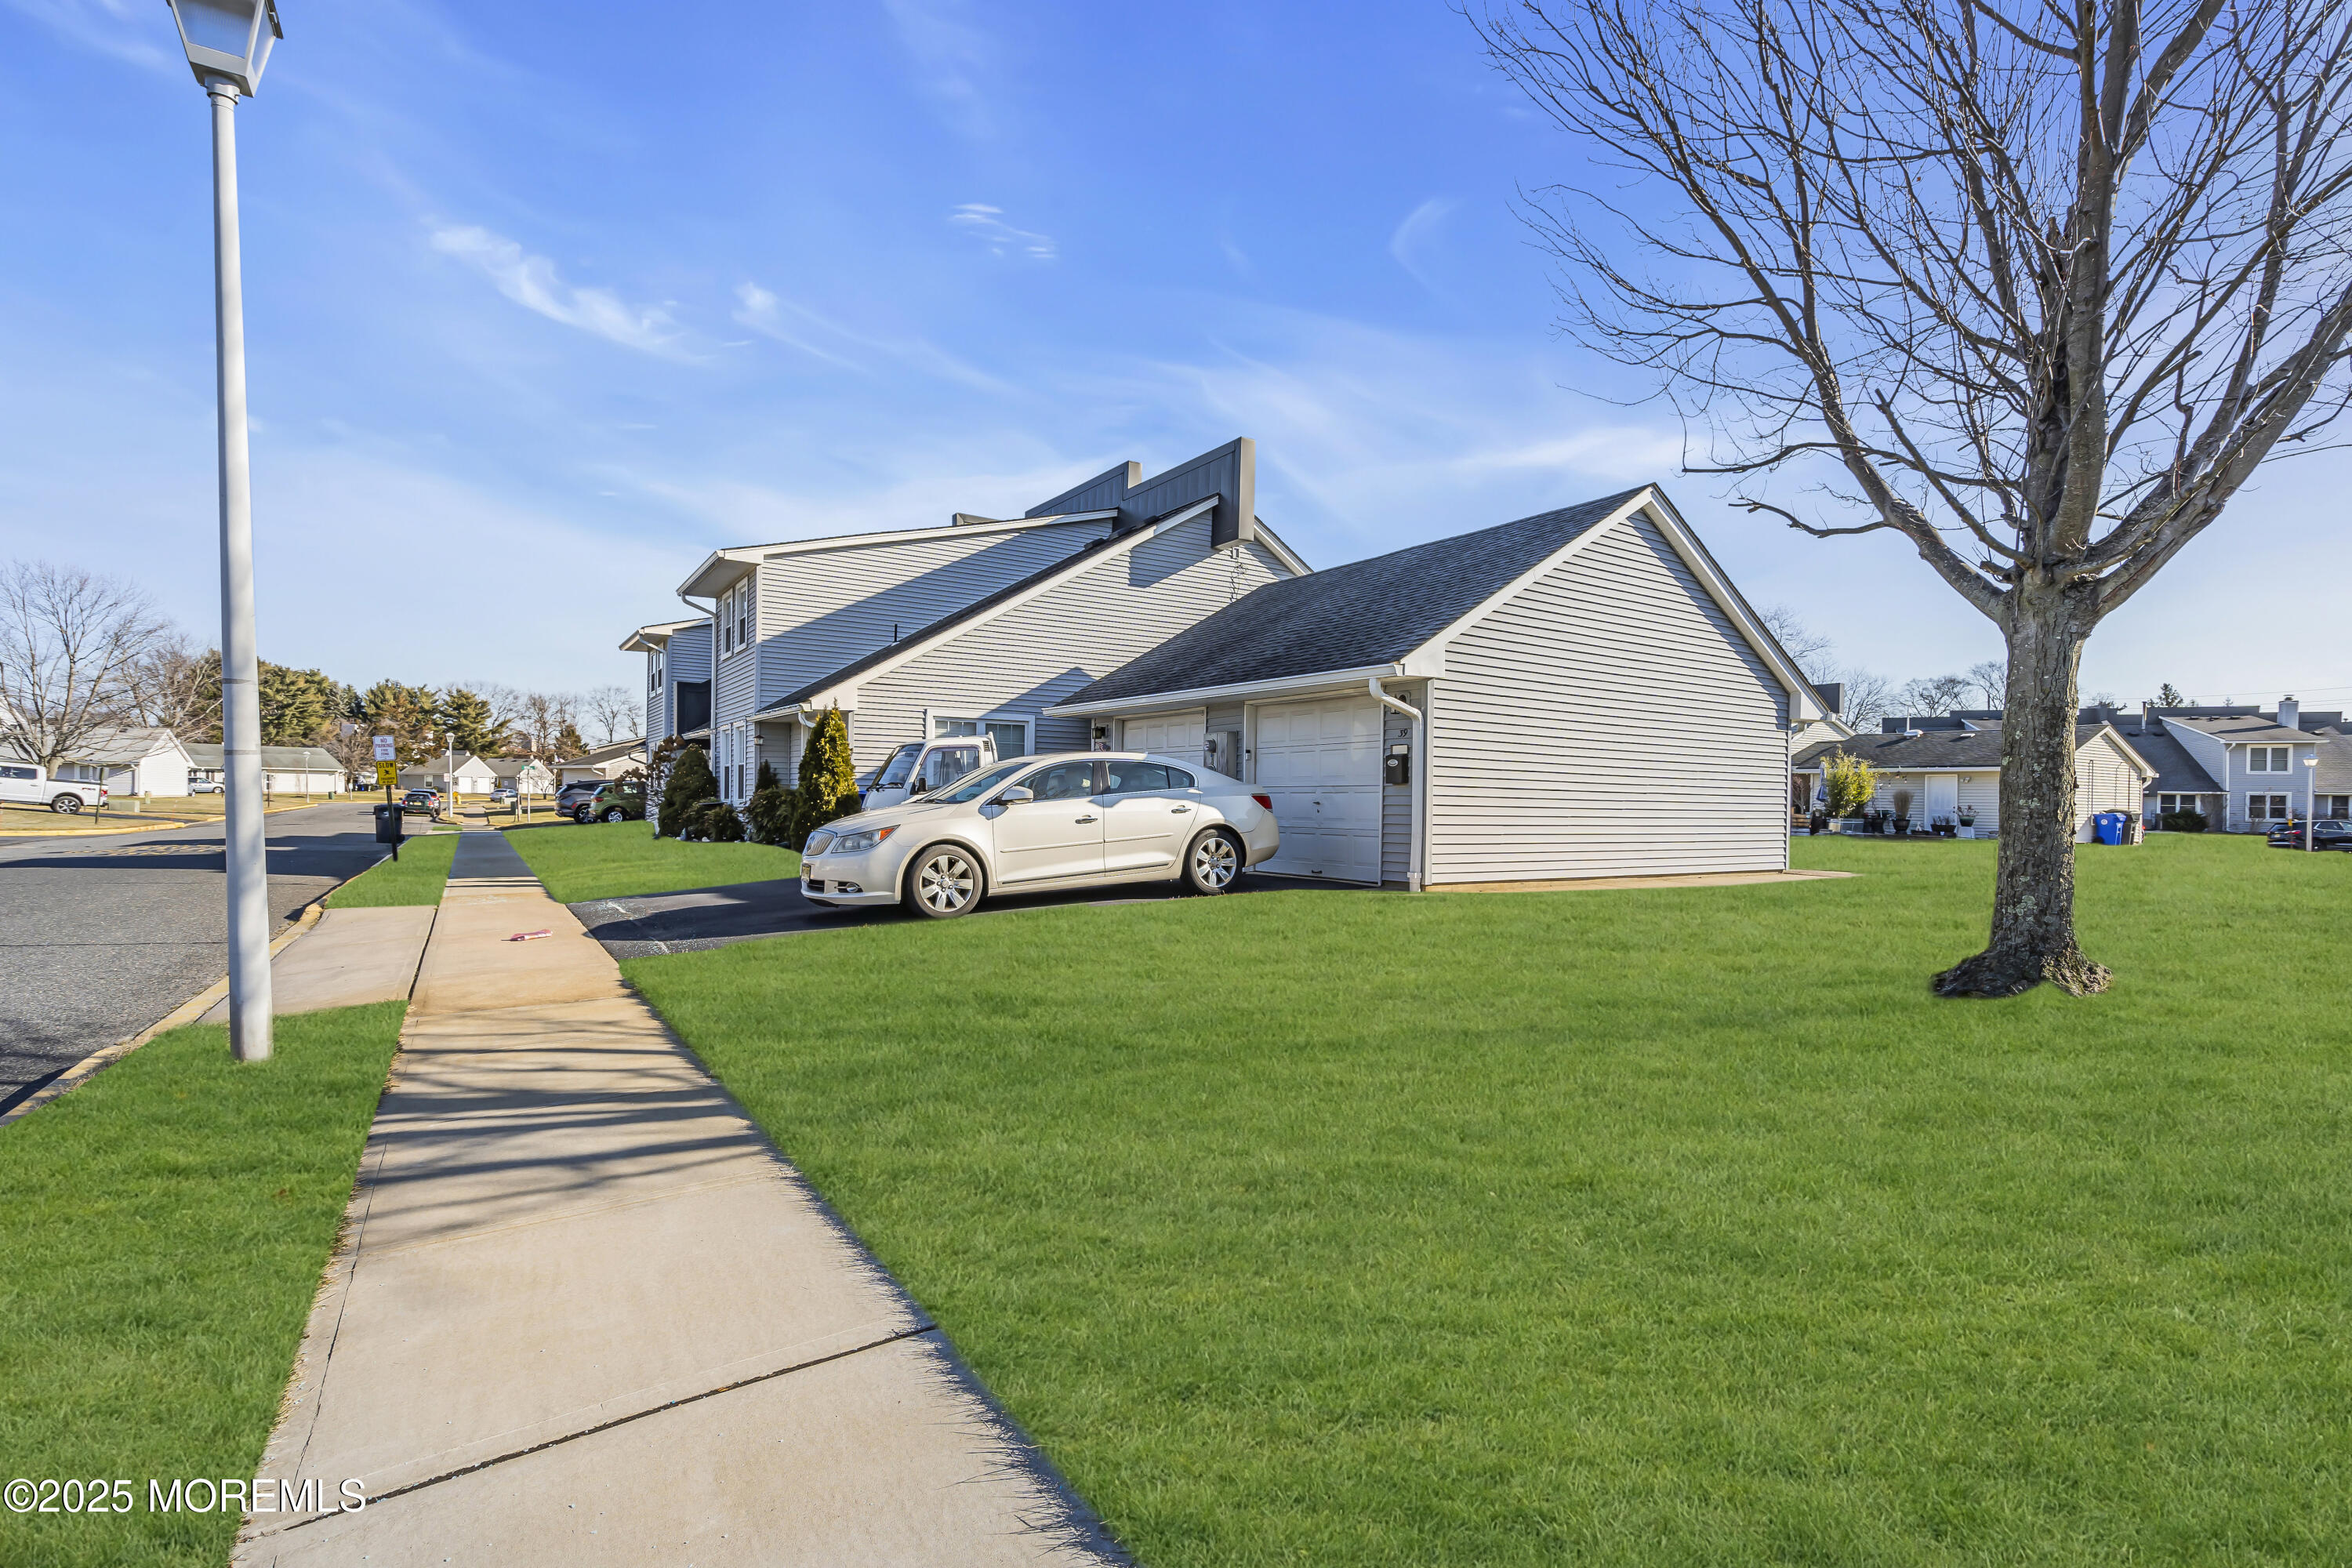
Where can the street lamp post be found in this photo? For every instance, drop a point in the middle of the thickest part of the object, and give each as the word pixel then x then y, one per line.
pixel 228 43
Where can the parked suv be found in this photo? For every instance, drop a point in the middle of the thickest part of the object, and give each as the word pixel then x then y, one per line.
pixel 1074 819
pixel 2328 833
pixel 422 802
pixel 613 800
pixel 919 767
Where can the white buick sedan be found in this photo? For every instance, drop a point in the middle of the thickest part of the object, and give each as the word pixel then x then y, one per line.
pixel 1079 819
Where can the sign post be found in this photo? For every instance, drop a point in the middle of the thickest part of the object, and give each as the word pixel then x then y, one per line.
pixel 387 773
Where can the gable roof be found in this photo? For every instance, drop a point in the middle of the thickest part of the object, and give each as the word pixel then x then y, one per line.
pixel 1366 612
pixel 274 759
pixel 2238 729
pixel 645 640
pixel 1975 749
pixel 1045 576
pixel 719 569
pixel 2176 772
pixel 604 753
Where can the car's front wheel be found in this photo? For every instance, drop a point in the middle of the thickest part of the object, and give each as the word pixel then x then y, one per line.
pixel 65 805
pixel 943 882
pixel 1213 863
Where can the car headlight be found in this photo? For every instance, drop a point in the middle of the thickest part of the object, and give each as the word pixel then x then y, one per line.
pixel 819 840
pixel 862 840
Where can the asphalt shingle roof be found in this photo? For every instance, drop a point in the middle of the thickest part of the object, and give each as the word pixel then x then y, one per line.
pixel 2176 772
pixel 2253 727
pixel 1346 617
pixel 1932 750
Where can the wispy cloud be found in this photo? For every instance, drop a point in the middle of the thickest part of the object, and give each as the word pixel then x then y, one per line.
pixel 950 54
pixel 1415 237
pixel 986 224
pixel 532 282
pixel 820 337
pixel 141 35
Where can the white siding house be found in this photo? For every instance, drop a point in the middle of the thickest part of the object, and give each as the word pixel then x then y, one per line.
pixel 1577 694
pixel 2267 770
pixel 1951 773
pixel 285 770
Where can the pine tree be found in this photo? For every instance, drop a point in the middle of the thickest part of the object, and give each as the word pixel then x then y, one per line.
pixel 296 705
pixel 690 783
pixel 2169 697
pixel 828 786
pixel 405 713
pixel 470 717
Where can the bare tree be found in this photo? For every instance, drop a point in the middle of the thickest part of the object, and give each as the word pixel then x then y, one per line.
pixel 613 709
pixel 176 685
pixel 1809 648
pixel 2035 287
pixel 1933 694
pixel 1867 699
pixel 69 642
pixel 1987 682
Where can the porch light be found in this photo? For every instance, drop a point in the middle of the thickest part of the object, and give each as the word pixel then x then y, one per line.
pixel 228 39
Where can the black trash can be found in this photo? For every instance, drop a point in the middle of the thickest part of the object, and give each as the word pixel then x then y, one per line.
pixel 387 824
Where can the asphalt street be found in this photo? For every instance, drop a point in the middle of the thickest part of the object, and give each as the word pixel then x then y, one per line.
pixel 101 935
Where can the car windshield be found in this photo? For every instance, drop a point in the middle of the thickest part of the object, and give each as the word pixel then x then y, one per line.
pixel 979 785
pixel 902 762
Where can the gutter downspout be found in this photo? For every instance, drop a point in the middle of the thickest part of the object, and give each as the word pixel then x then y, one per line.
pixel 1412 875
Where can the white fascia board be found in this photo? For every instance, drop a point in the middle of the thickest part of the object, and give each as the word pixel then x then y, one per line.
pixel 1272 690
pixel 646 640
pixel 1429 659
pixel 722 569
pixel 847 695
pixel 1279 550
pixel 2125 747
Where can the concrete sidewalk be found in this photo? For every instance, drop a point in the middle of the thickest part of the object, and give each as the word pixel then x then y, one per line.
pixel 349 957
pixel 586 1313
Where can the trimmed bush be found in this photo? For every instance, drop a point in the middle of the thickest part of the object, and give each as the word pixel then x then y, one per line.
pixel 690 783
pixel 2182 822
pixel 770 817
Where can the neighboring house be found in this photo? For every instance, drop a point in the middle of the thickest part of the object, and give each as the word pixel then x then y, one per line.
pixel 1951 764
pixel 678 676
pixel 606 761
pixel 1804 789
pixel 1581 693
pixel 478 775
pixel 2267 766
pixel 976 628
pixel 134 760
pixel 285 770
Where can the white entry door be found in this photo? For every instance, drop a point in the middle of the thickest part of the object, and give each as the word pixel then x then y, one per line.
pixel 1942 798
pixel 1178 735
pixel 1320 763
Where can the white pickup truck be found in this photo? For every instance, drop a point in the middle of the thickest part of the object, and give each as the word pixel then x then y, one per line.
pixel 22 785
pixel 921 766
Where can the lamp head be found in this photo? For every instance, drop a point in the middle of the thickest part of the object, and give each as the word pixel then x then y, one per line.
pixel 228 40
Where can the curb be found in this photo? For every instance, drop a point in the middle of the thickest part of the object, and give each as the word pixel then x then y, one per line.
pixel 188 1011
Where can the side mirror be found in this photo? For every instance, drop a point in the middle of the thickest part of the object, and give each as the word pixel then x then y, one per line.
pixel 1016 795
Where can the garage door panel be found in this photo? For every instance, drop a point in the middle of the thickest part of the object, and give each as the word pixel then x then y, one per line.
pixel 1170 734
pixel 1320 763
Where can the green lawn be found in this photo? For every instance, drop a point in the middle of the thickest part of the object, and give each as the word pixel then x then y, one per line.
pixel 621 860
pixel 162 1231
pixel 416 877
pixel 1652 1228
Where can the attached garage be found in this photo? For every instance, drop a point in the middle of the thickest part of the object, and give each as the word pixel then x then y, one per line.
pixel 1319 761
pixel 1581 693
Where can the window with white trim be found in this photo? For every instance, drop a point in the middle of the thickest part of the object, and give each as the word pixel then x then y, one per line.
pixel 743 612
pixel 2266 759
pixel 2336 806
pixel 1010 736
pixel 2266 808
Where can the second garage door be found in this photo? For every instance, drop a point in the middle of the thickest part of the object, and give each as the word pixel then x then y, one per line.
pixel 1169 734
pixel 1320 763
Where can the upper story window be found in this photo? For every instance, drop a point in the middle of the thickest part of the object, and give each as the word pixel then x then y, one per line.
pixel 654 672
pixel 743 614
pixel 2266 759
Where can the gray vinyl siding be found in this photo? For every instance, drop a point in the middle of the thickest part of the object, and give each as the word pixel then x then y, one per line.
pixel 688 658
pixel 827 609
pixel 1396 800
pixel 1224 716
pixel 1023 661
pixel 735 688
pixel 1607 721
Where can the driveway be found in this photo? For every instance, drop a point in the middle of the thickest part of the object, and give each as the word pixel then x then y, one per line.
pixel 699 917
pixel 101 935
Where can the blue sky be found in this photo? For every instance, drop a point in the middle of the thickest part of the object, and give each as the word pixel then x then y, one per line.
pixel 544 301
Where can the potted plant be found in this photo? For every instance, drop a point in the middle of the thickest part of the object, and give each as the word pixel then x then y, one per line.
pixel 1967 822
pixel 1902 812
pixel 1849 781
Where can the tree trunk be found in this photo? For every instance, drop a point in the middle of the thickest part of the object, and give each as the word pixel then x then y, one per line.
pixel 2034 893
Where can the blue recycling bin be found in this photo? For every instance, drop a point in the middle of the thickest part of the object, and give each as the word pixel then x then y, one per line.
pixel 2107 826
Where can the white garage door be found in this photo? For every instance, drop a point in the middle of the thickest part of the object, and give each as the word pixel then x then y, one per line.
pixel 1320 764
pixel 1169 734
